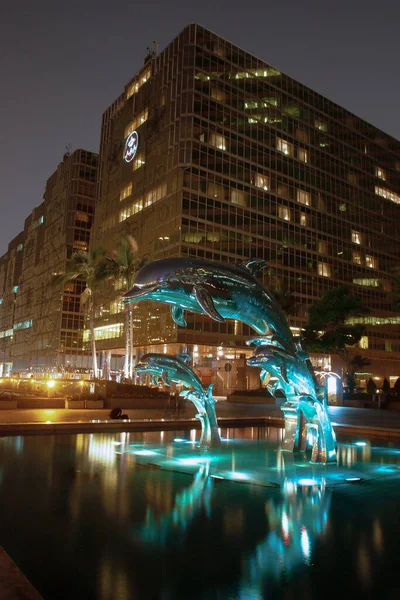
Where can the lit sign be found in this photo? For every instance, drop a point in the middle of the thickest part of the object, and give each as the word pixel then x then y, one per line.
pixel 131 146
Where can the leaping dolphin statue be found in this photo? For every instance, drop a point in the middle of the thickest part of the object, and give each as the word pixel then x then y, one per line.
pixel 219 290
pixel 174 369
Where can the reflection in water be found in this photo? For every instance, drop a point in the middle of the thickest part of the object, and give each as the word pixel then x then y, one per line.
pixel 124 528
pixel 187 504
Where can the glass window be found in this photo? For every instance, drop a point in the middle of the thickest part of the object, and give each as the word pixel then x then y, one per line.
pixel 238 197
pixel 302 155
pixel 324 270
pixel 261 181
pixel 137 122
pixel 321 125
pixel 303 219
pixel 322 247
pixel 217 140
pixel 388 194
pixel 364 342
pixel 371 261
pixel 125 192
pixel 379 172
pixel 284 213
pixel 357 258
pixel 356 237
pixel 303 197
pixel 284 146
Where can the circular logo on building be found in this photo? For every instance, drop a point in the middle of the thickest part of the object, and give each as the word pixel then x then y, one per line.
pixel 131 146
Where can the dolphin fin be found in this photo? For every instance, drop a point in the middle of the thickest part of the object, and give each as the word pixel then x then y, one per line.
pixel 206 302
pixel 178 315
pixel 209 391
pixel 186 358
pixel 254 265
pixel 265 375
pixel 284 373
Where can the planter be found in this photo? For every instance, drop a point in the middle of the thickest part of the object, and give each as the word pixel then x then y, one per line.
pixel 94 403
pixel 8 404
pixel 74 404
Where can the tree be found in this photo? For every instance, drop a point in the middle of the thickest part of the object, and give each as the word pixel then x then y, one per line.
pixel 396 387
pixel 92 268
pixel 386 386
pixel 284 297
pixel 371 386
pixel 327 330
pixel 124 264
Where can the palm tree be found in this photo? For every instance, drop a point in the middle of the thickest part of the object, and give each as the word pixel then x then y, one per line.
pixel 92 268
pixel 124 264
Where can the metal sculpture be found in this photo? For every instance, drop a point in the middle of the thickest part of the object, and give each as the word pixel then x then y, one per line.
pixel 223 291
pixel 174 369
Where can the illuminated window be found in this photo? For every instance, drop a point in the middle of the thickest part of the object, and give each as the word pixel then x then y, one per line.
pixel 380 173
pixel 389 195
pixel 356 237
pixel 261 181
pixel 15 289
pixel 134 87
pixel 217 140
pixel 321 125
pixel 22 325
pixel 238 197
pixel 130 210
pixel 303 197
pixel 117 306
pixel 302 155
pixel 357 258
pixel 20 247
pixel 303 219
pixel 105 333
pixel 155 194
pixel 371 262
pixel 324 270
pixel 284 213
pixel 6 333
pixel 138 162
pixel 367 282
pixel 1 300
pixel 284 146
pixel 125 192
pixel 137 122
pixel 363 343
pixel 373 320
pixel 82 217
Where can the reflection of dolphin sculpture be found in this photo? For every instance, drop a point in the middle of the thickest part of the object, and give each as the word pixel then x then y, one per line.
pixel 221 291
pixel 187 505
pixel 295 522
pixel 173 369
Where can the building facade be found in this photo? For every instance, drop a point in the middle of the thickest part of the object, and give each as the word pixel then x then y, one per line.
pixel 211 152
pixel 41 321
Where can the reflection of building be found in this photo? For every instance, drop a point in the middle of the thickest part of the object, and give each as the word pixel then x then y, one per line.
pixel 234 159
pixel 41 324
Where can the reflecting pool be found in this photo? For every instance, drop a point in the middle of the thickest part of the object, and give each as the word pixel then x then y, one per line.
pixel 151 516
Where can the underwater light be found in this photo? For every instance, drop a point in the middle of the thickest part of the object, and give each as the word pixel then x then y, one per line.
pixel 360 443
pixel 180 440
pixel 145 452
pixel 353 479
pixel 217 477
pixel 193 461
pixel 307 482
pixel 117 443
pixel 240 476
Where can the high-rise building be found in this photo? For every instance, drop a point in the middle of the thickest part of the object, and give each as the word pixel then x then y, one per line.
pixel 41 321
pixel 211 152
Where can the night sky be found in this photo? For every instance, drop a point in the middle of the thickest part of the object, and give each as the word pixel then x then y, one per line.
pixel 63 63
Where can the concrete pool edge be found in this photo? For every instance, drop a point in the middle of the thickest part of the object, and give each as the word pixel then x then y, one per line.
pixel 13 582
pixel 100 426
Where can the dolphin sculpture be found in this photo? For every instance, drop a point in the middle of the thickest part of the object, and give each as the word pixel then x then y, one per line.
pixel 307 423
pixel 221 291
pixel 174 369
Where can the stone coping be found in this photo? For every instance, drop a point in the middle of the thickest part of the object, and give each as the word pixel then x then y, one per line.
pixel 13 583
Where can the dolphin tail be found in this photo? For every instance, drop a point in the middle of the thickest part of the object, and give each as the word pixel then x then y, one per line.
pixel 178 315
pixel 254 265
pixel 206 302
